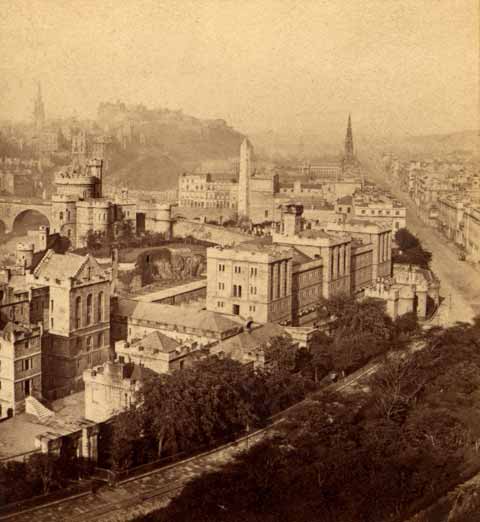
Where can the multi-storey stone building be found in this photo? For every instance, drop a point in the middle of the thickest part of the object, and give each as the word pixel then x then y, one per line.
pixel 207 191
pixel 158 352
pixel 20 366
pixel 471 230
pixel 79 319
pixel 111 388
pixel 283 279
pixel 251 280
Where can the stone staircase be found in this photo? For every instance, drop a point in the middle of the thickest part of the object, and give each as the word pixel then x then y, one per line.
pixel 34 407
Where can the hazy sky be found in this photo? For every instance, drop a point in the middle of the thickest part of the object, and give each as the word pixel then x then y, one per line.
pixel 397 65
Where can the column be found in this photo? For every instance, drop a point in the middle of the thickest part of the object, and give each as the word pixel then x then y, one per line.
pixel 334 263
pixel 282 279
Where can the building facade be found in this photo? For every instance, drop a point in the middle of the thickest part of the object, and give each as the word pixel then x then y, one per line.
pixel 20 366
pixel 250 281
pixel 79 319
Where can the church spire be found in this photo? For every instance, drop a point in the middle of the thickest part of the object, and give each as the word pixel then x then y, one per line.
pixel 349 152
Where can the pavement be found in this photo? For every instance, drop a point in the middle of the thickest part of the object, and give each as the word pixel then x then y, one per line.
pixel 460 282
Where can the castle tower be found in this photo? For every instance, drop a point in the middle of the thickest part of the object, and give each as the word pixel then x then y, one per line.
pixel 349 152
pixel 246 168
pixel 39 110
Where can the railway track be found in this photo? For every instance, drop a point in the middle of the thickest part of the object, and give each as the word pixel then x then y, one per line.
pixel 159 484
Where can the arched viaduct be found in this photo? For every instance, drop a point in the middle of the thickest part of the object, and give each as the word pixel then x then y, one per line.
pixel 13 211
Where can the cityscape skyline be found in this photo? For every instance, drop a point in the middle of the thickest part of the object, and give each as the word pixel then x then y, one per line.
pixel 379 61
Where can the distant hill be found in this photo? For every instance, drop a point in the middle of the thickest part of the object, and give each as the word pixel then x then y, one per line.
pixel 152 147
pixel 466 141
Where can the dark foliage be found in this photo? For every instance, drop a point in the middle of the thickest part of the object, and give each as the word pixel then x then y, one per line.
pixel 411 251
pixel 358 458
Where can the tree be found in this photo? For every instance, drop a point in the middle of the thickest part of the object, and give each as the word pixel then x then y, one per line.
pixel 44 467
pixel 392 388
pixel 359 330
pixel 405 239
pixel 281 352
pixel 95 240
pixel 126 430
pixel 411 251
pixel 321 355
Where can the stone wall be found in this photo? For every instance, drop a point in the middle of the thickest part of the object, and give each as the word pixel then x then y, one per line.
pixel 213 233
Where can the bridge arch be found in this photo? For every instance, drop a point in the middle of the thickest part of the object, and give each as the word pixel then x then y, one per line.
pixel 28 219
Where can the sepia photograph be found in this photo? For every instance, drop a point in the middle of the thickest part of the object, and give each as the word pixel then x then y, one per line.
pixel 240 261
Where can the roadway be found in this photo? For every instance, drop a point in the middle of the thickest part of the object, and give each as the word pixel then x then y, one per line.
pixel 460 282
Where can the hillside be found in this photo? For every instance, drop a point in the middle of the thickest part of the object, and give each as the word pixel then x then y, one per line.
pixel 152 147
pixel 463 142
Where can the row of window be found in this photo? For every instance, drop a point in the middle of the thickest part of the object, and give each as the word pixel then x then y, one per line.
pixel 237 289
pixel 25 364
pixel 100 338
pixel 380 212
pixel 238 269
pixel 207 204
pixel 89 316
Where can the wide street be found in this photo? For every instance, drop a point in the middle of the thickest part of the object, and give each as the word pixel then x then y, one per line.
pixel 460 282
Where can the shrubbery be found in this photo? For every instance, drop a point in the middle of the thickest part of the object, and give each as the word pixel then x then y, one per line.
pixel 411 251
pixel 358 457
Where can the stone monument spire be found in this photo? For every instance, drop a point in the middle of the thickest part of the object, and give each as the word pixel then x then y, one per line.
pixel 246 169
pixel 39 109
pixel 349 152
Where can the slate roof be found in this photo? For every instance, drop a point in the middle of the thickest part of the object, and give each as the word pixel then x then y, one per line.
pixel 177 316
pixel 59 266
pixel 249 341
pixel 157 341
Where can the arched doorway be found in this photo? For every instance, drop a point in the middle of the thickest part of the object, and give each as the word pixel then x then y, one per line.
pixel 28 220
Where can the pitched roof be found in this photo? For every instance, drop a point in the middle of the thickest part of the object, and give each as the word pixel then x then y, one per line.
pixel 59 266
pixel 156 341
pixel 249 341
pixel 345 200
pixel 177 316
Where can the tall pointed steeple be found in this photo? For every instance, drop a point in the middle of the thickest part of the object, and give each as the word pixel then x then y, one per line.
pixel 349 152
pixel 39 109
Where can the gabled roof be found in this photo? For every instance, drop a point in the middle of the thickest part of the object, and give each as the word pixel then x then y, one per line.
pixel 248 342
pixel 55 266
pixel 156 341
pixel 60 266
